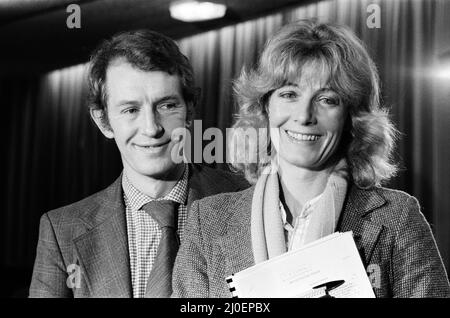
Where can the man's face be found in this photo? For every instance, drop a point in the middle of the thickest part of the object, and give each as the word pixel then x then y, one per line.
pixel 143 109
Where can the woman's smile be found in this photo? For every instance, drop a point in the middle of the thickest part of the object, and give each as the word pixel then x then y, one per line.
pixel 302 137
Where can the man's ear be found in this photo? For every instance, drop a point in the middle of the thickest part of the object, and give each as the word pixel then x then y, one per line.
pixel 188 122
pixel 189 114
pixel 97 116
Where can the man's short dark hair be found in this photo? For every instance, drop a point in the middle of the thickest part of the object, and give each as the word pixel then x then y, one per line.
pixel 147 51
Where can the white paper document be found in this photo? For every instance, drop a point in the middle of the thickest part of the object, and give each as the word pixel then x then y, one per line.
pixel 296 273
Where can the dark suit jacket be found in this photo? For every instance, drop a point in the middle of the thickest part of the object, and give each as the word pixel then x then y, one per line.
pixel 392 236
pixel 92 234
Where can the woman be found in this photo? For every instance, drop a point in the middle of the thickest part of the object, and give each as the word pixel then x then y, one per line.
pixel 329 149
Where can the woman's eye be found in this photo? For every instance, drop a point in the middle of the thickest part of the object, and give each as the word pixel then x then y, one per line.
pixel 329 100
pixel 287 95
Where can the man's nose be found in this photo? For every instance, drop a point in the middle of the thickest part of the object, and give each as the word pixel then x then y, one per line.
pixel 151 123
pixel 305 112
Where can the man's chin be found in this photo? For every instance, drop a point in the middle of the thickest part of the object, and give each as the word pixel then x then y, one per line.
pixel 167 172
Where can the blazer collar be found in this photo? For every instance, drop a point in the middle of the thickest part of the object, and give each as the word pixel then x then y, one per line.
pixel 356 217
pixel 103 249
pixel 105 204
pixel 201 184
pixel 109 202
pixel 236 243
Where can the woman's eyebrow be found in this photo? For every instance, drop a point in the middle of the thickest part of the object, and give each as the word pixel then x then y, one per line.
pixel 326 89
pixel 290 84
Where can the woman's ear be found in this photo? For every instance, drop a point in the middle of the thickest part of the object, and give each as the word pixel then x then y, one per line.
pixel 348 125
pixel 264 102
pixel 97 116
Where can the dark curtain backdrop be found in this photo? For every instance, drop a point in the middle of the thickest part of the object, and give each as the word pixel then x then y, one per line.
pixel 55 155
pixel 406 48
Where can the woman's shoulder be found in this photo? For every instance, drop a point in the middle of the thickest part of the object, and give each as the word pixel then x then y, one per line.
pixel 226 199
pixel 385 197
pixel 400 201
pixel 222 207
pixel 394 195
pixel 387 193
pixel 394 208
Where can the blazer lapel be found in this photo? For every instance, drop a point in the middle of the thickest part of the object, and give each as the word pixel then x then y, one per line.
pixel 356 217
pixel 199 185
pixel 204 182
pixel 236 244
pixel 103 249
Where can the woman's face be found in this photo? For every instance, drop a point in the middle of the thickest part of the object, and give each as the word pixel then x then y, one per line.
pixel 307 120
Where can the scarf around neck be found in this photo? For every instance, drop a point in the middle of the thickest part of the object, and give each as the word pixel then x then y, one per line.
pixel 267 231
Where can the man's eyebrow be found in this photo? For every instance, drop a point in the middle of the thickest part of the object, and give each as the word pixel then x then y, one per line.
pixel 125 102
pixel 167 98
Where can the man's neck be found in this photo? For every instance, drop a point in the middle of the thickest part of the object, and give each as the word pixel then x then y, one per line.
pixel 155 187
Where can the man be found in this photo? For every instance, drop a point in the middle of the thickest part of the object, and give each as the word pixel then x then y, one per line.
pixel 122 241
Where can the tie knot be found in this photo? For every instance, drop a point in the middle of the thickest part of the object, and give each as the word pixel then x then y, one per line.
pixel 165 212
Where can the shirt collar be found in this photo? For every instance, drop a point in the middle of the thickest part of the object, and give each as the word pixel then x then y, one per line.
pixel 136 199
pixel 336 186
pixel 308 208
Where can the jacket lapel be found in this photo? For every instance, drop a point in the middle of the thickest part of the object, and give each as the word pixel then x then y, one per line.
pixel 202 184
pixel 236 243
pixel 356 217
pixel 103 249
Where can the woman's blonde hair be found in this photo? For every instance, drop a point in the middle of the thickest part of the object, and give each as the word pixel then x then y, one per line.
pixel 368 142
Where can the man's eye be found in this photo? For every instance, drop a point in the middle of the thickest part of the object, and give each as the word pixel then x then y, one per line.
pixel 167 106
pixel 287 95
pixel 130 110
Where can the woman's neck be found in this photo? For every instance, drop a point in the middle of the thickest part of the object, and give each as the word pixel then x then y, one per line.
pixel 299 185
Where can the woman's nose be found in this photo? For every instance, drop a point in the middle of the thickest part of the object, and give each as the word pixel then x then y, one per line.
pixel 304 112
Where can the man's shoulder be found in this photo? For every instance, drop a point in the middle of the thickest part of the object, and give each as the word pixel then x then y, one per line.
pixel 76 211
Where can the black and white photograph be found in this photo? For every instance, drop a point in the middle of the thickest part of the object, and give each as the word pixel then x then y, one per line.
pixel 226 149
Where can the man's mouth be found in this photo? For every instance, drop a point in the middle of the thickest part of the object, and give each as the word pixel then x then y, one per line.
pixel 152 146
pixel 302 137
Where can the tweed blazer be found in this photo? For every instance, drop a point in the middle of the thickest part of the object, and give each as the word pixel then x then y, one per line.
pixel 394 240
pixel 92 235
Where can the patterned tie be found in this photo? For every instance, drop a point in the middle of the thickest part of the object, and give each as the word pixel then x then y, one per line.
pixel 165 212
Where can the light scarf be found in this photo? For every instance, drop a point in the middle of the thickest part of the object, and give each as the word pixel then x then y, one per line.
pixel 267 231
